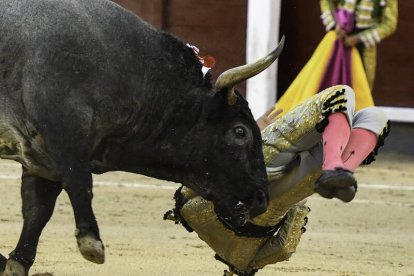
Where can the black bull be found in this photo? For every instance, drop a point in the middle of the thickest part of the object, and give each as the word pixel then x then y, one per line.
pixel 87 87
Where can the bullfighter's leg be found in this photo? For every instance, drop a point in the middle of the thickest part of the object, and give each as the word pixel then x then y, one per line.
pixel 369 128
pixel 336 180
pixel 38 198
pixel 303 128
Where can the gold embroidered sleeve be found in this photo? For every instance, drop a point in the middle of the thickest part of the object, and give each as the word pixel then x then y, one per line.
pixel 386 27
pixel 327 14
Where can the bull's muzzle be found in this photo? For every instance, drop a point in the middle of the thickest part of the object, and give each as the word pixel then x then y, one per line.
pixel 258 204
pixel 252 208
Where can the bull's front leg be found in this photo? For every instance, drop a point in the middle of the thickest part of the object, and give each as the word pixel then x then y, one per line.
pixel 79 190
pixel 38 198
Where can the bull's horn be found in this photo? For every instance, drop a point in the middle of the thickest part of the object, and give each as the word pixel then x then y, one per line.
pixel 233 76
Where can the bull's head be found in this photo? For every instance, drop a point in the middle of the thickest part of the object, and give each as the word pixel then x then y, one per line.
pixel 231 171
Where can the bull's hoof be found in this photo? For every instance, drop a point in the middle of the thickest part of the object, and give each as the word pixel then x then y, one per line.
pixel 91 249
pixel 14 268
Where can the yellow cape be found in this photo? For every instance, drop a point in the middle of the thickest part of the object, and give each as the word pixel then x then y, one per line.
pixel 309 79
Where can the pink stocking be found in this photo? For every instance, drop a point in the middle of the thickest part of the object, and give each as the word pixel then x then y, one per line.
pixel 335 138
pixel 360 144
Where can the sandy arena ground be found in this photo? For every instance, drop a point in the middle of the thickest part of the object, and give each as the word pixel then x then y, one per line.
pixel 373 235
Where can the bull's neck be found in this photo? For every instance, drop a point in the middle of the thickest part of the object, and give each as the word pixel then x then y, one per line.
pixel 162 146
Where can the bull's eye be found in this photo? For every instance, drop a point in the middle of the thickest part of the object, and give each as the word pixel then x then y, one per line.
pixel 238 135
pixel 240 132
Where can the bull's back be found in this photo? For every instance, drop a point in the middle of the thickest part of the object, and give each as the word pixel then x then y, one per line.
pixel 48 50
pixel 84 54
pixel 89 43
pixel 42 23
pixel 64 47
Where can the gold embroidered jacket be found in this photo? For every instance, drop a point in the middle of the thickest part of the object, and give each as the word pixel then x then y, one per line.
pixel 374 19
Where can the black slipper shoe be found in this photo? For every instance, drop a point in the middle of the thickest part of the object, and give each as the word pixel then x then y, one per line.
pixel 339 183
pixel 346 195
pixel 334 179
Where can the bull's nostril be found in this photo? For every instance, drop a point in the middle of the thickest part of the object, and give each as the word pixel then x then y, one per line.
pixel 239 206
pixel 259 203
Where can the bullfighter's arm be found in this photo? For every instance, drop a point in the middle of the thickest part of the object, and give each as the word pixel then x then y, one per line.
pixel 385 28
pixel 268 118
pixel 327 14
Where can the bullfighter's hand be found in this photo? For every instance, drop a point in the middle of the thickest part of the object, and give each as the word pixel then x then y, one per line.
pixel 351 41
pixel 268 118
pixel 340 33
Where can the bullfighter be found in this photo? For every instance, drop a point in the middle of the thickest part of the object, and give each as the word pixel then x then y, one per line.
pixel 314 148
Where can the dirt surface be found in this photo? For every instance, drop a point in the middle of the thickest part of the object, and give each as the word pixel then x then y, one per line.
pixel 373 235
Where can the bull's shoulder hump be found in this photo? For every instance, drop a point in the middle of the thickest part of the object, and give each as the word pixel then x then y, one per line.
pixel 92 18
